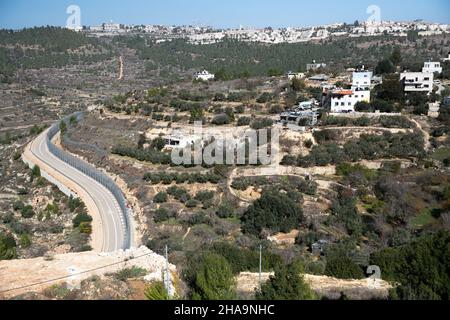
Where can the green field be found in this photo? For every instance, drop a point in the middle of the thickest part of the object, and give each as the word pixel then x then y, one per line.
pixel 423 219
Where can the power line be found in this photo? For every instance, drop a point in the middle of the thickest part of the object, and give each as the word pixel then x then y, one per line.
pixel 75 274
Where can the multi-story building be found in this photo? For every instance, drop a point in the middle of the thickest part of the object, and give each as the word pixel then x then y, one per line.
pixel 345 100
pixel 432 67
pixel 417 81
pixel 362 79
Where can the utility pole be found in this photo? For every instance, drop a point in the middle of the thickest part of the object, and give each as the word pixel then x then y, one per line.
pixel 260 267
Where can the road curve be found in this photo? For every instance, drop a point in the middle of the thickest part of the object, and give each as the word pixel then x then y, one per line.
pixel 109 230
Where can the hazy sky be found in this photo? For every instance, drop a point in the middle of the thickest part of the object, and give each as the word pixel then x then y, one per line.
pixel 219 13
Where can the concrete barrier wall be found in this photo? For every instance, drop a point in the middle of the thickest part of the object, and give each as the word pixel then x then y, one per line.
pixel 92 172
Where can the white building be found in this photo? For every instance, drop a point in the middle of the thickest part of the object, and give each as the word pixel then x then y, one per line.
pixel 432 67
pixel 362 79
pixel 344 101
pixel 292 75
pixel 204 76
pixel 417 81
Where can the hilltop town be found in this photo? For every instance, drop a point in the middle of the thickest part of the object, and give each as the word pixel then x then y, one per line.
pixel 208 35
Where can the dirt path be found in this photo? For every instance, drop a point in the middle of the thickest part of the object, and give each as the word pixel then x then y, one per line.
pixel 426 135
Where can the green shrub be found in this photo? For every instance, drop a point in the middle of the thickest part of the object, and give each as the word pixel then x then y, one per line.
pixel 75 203
pixel 18 205
pixel 214 279
pixel 202 196
pixel 161 197
pixel 25 241
pixel 244 121
pixel 225 210
pixel 130 273
pixel 191 203
pixel 161 215
pixel 36 172
pixel 221 119
pixel 156 292
pixel 80 218
pixel 274 211
pixel 27 212
pixel 342 267
pixel 286 284
pixel 7 247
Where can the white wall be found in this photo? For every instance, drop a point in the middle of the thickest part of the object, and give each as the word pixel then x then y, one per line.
pixel 417 81
pixel 346 103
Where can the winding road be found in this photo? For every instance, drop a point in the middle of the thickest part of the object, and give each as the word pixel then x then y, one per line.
pixel 109 231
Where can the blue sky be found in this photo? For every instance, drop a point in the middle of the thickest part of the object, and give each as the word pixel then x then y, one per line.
pixel 219 13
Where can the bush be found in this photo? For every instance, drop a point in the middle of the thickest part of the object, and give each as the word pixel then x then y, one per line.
pixel 265 97
pixel 199 218
pixel 286 284
pixel 80 218
pixel 221 119
pixel 261 124
pixel 7 247
pixel 191 203
pixel 85 227
pixel 130 273
pixel 161 215
pixel 274 211
pixel 244 121
pixel 161 197
pixel 203 196
pixel 75 203
pixel 420 267
pixel 36 172
pixel 214 279
pixel 149 155
pixel 25 241
pixel 342 267
pixel 275 109
pixel 225 210
pixel 18 205
pixel 156 292
pixel 27 212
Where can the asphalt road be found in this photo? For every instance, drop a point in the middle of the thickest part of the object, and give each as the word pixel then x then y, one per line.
pixel 112 227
